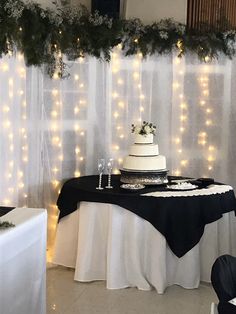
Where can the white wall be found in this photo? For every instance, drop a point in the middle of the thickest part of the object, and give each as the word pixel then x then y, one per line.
pixel 153 10
pixel 147 10
pixel 49 3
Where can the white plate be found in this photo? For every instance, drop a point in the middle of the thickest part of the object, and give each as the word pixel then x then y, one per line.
pixel 132 187
pixel 181 187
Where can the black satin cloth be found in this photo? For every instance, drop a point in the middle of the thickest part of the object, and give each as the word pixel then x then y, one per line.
pixel 4 210
pixel 181 220
pixel 223 278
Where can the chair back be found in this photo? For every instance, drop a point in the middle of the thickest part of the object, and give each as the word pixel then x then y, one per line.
pixel 223 277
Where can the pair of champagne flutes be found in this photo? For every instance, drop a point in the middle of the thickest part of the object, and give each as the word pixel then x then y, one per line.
pixel 101 167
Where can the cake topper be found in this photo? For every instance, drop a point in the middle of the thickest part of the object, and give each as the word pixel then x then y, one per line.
pixel 144 129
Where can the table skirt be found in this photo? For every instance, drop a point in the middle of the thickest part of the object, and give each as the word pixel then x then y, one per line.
pixel 108 242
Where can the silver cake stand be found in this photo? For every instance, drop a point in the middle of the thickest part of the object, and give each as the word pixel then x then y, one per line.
pixel 144 177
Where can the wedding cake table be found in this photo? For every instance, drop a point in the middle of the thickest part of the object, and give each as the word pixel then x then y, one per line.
pixel 152 237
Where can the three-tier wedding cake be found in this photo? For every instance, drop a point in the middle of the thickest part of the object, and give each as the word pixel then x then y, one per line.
pixel 144 164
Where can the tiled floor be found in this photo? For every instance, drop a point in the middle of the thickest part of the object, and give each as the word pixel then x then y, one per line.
pixel 66 296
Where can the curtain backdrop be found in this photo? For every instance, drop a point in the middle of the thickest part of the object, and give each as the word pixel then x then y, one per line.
pixel 52 129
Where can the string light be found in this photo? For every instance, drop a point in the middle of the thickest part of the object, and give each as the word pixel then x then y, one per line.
pixel 203 138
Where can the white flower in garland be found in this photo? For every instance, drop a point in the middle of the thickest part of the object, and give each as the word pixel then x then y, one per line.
pixel 14 8
pixel 96 19
pixel 163 34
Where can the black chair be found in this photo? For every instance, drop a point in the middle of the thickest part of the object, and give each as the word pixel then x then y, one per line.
pixel 223 278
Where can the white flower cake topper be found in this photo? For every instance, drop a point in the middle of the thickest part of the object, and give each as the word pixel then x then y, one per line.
pixel 144 129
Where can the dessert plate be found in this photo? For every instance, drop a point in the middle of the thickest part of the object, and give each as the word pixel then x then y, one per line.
pixel 132 187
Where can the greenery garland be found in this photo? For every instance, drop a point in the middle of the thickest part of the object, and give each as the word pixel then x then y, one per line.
pixel 45 36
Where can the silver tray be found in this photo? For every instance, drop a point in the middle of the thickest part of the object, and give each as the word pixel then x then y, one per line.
pixel 146 177
pixel 132 187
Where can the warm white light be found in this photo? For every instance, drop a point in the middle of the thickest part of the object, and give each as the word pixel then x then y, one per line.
pixel 135 75
pixel 55 92
pixel 116 115
pixel 77 173
pixel 77 150
pixel 76 127
pixel 183 105
pixel 120 160
pixel 6 108
pixel 55 139
pixel 177 140
pixel 20 174
pixel 183 118
pixel 206 92
pixel 177 60
pixel 4 67
pixel 176 85
pixel 177 172
pixel 76 110
pixel 55 76
pixel 208 122
pixel 121 104
pixel 184 163
pixel 210 158
pixel 54 113
pixel 6 124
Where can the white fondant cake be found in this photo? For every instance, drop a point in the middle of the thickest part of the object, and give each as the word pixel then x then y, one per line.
pixel 145 163
pixel 143 139
pixel 144 155
pixel 144 150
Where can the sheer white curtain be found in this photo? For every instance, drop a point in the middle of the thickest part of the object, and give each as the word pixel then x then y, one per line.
pixel 52 129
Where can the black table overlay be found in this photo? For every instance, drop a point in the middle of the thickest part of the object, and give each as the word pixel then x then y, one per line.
pixel 4 210
pixel 181 220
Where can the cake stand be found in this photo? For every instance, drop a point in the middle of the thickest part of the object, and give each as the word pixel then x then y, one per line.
pixel 146 177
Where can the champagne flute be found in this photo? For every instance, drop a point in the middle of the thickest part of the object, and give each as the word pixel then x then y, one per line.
pixel 101 167
pixel 109 169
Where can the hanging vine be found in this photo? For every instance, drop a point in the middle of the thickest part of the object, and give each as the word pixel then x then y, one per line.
pixel 46 36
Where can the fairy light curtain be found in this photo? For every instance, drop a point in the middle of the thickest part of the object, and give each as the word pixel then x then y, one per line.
pixel 52 129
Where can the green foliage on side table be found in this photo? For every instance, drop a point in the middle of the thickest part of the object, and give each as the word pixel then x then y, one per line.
pixel 6 224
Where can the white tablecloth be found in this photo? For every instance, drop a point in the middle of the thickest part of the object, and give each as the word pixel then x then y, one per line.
pixel 23 262
pixel 107 242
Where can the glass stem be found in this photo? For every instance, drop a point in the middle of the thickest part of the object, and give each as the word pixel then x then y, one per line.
pixel 100 180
